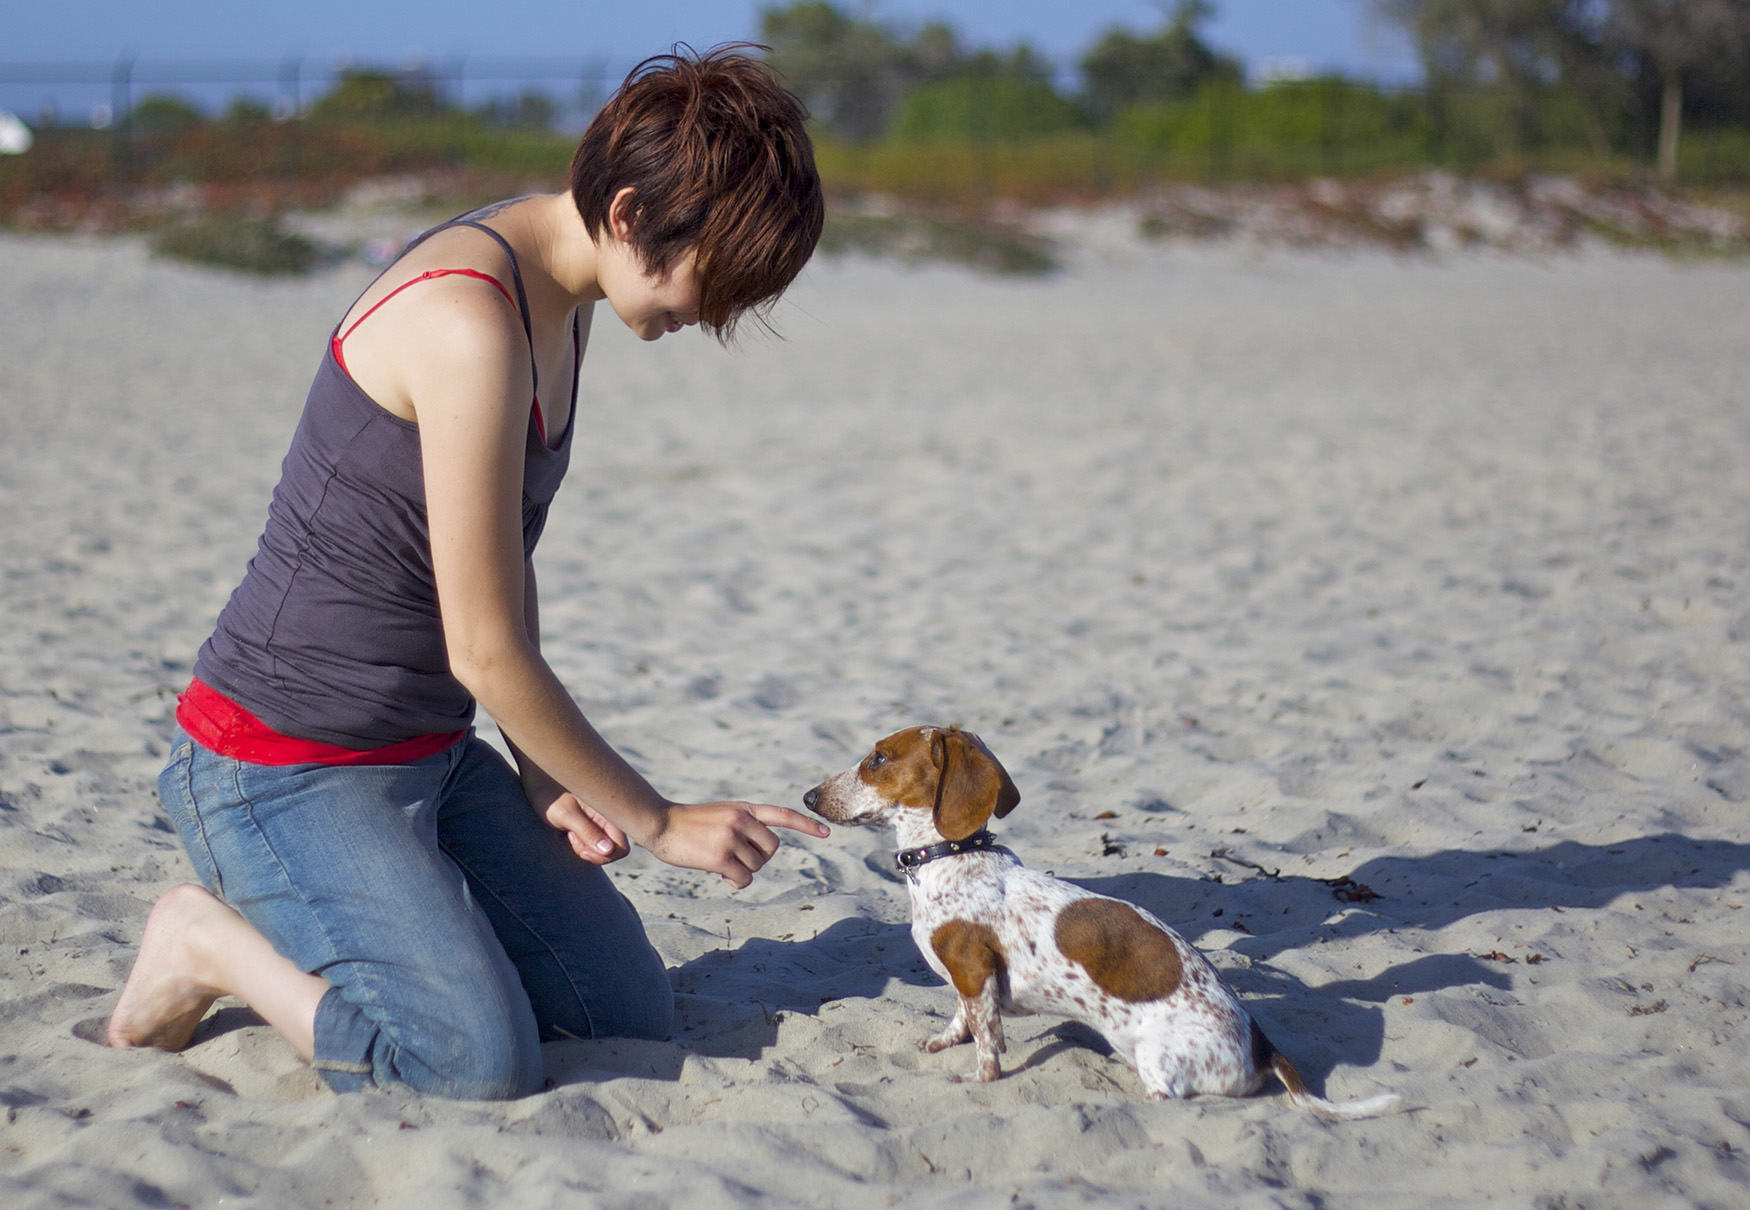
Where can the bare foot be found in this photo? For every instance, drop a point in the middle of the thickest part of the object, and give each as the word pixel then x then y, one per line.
pixel 170 988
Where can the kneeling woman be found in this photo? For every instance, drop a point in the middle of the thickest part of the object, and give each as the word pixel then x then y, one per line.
pixel 381 887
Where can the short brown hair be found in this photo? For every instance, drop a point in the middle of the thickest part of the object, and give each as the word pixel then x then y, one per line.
pixel 717 152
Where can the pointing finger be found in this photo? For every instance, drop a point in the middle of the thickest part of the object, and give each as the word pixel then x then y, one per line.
pixel 784 817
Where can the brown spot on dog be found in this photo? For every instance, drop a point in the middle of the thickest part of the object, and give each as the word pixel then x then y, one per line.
pixel 902 768
pixel 1127 956
pixel 971 954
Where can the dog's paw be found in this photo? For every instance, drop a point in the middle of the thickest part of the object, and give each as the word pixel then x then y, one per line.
pixel 945 1039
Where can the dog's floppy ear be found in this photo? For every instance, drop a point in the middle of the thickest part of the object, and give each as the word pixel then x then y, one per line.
pixel 970 785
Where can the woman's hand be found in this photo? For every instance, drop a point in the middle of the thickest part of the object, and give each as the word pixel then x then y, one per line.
pixel 593 837
pixel 733 839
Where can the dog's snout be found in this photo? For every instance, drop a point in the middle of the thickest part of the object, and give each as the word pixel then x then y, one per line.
pixel 811 800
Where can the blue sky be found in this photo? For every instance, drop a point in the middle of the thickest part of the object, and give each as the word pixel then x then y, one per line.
pixel 1320 34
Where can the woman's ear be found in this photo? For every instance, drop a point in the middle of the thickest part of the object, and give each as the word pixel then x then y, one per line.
pixel 621 213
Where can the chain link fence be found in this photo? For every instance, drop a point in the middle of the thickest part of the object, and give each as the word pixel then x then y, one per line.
pixel 294 124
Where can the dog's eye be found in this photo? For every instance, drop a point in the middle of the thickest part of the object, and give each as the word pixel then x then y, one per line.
pixel 876 760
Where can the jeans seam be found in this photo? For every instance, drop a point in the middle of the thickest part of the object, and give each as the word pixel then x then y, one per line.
pixel 358 990
pixel 576 994
pixel 200 823
pixel 314 916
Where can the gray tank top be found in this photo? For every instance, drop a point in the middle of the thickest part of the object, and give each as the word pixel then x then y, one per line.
pixel 334 634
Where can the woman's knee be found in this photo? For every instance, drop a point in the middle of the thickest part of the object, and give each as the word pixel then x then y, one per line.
pixel 649 1007
pixel 464 1065
pixel 461 1048
pixel 493 1068
pixel 637 1003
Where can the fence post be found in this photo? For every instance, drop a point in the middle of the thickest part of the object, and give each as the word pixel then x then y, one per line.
pixel 982 186
pixel 291 71
pixel 1434 105
pixel 1330 125
pixel 1220 131
pixel 121 119
pixel 458 114
pixel 591 89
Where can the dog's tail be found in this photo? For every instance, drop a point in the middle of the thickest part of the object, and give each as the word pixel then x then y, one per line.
pixel 1265 1057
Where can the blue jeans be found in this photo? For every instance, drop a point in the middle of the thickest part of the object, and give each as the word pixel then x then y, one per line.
pixel 456 928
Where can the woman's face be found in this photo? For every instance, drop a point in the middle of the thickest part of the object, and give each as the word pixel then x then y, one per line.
pixel 651 305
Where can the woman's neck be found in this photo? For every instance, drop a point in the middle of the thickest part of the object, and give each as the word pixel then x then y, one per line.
pixel 565 256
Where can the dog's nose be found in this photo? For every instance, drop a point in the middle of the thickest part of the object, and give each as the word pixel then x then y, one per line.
pixel 811 800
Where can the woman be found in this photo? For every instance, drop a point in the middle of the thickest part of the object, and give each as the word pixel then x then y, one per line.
pixel 378 887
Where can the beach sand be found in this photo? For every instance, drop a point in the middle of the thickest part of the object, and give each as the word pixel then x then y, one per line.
pixel 1260 571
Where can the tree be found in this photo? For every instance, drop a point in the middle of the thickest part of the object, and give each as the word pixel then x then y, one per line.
pixel 984 97
pixel 862 79
pixel 1606 52
pixel 375 96
pixel 848 71
pixel 1124 69
pixel 1678 39
pixel 247 111
pixel 163 115
pixel 1519 45
pixel 530 111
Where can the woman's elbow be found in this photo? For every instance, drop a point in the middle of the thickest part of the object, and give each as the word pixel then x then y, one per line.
pixel 484 664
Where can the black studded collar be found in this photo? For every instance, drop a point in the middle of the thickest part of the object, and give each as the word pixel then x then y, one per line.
pixel 910 861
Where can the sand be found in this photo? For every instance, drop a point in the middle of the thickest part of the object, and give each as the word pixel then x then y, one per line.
pixel 1260 571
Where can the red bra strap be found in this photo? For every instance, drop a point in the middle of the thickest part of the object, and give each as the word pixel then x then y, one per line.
pixel 340 336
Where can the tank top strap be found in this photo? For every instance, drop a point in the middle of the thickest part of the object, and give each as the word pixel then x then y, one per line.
pixel 516 278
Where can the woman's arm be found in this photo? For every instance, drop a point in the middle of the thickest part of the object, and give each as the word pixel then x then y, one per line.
pixel 593 837
pixel 468 377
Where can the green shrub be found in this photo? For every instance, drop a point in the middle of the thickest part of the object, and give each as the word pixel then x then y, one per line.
pixel 368 95
pixel 254 245
pixel 537 154
pixel 165 115
pixel 1340 127
pixel 1283 130
pixel 980 109
pixel 1714 157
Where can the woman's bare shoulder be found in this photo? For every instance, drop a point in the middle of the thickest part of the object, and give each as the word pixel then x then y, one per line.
pixel 454 248
pixel 444 313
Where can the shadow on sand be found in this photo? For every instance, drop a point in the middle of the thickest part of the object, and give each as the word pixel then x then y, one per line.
pixel 731 1000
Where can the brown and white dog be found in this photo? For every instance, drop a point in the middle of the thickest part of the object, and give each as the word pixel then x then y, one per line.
pixel 1012 940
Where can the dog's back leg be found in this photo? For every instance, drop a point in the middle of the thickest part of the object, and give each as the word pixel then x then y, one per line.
pixel 1166 1067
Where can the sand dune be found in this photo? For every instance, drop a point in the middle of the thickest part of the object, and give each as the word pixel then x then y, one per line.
pixel 1260 572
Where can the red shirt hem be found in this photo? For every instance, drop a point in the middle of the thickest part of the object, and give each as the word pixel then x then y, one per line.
pixel 220 725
